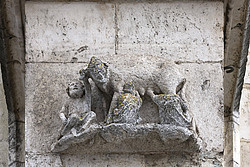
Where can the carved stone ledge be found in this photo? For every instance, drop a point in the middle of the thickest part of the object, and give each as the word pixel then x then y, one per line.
pixel 128 138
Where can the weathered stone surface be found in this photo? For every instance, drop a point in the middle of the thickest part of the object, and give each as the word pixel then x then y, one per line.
pixel 245 120
pixel 4 152
pixel 49 160
pixel 247 75
pixel 16 138
pixel 3 125
pixel 172 110
pixel 45 93
pixel 161 29
pixel 245 153
pixel 184 31
pixel 145 36
pixel 129 138
pixel 203 93
pixel 245 113
pixel 58 32
pixel 109 160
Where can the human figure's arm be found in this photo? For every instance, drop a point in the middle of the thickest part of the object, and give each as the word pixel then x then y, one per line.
pixel 87 93
pixel 62 114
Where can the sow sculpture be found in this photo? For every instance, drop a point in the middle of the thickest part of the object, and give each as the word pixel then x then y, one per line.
pixel 123 122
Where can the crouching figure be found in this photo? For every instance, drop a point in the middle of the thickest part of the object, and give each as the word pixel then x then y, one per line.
pixel 76 114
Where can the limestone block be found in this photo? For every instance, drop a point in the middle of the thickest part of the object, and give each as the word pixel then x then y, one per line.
pixel 64 32
pixel 203 93
pixel 186 31
pixel 110 160
pixel 245 113
pixel 48 160
pixel 245 153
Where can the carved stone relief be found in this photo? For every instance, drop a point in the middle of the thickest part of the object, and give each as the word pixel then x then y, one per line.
pixel 123 101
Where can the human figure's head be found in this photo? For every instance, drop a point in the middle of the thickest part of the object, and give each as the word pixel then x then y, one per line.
pixel 75 89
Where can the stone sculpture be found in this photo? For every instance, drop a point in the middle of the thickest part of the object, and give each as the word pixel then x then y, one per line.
pixel 111 83
pixel 123 123
pixel 75 114
pixel 127 106
pixel 172 110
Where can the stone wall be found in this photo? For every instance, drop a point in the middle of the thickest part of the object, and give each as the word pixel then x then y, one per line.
pixel 4 126
pixel 245 120
pixel 61 37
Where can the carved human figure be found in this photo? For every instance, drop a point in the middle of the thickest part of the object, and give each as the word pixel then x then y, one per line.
pixel 172 110
pixel 164 80
pixel 127 106
pixel 75 114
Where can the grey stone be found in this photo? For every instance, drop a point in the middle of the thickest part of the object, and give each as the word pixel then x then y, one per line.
pixel 166 138
pixel 181 31
pixel 90 24
pixel 76 114
pixel 126 109
pixel 3 125
pixel 36 160
pixel 172 110
pixel 166 79
pixel 192 42
pixel 107 160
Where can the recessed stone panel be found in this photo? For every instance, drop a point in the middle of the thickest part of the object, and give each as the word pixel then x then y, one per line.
pixel 45 95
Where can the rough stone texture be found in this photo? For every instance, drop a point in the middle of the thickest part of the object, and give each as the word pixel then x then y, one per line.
pixel 12 61
pixel 129 138
pixel 43 104
pixel 245 153
pixel 122 160
pixel 247 75
pixel 48 160
pixel 162 29
pixel 55 39
pixel 245 120
pixel 3 126
pixel 174 26
pixel 54 36
pixel 16 148
pixel 235 18
pixel 245 113
pixel 110 160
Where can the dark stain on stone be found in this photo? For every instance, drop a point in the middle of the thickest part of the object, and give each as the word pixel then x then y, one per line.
pixel 83 48
pixel 205 85
pixel 74 59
